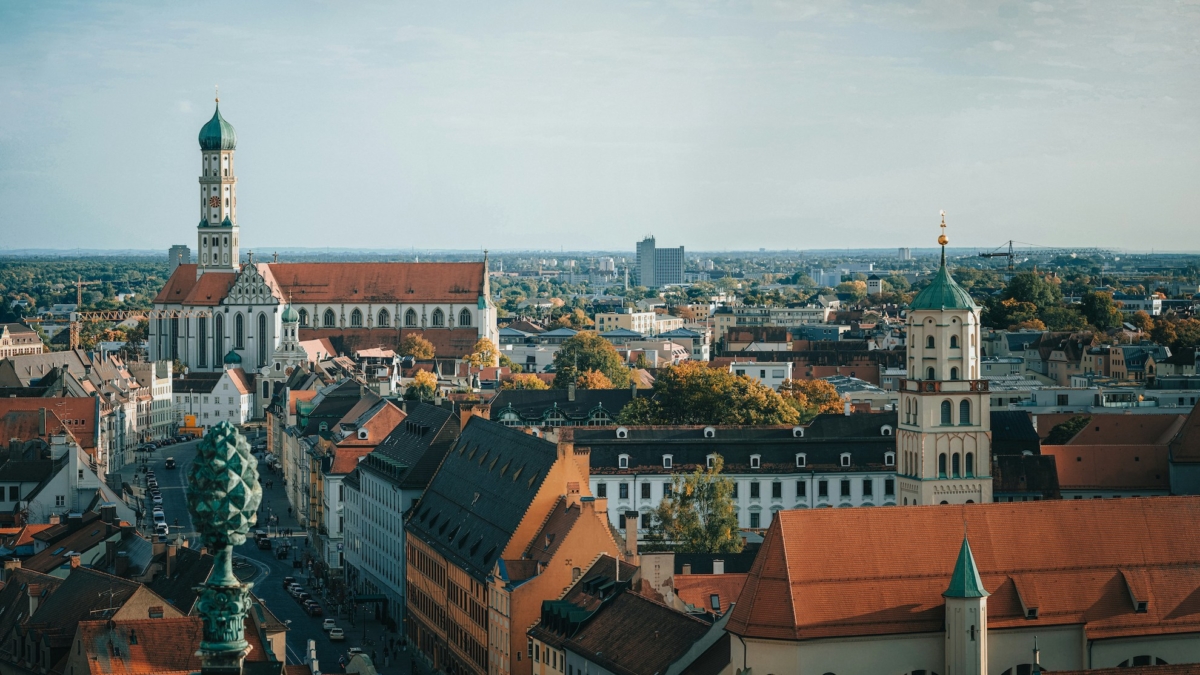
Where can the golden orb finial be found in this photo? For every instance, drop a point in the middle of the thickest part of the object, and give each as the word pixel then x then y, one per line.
pixel 943 239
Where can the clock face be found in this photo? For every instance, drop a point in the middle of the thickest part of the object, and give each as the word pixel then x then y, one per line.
pixel 214 202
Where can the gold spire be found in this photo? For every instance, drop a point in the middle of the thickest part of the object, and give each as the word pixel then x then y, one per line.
pixel 942 239
pixel 217 93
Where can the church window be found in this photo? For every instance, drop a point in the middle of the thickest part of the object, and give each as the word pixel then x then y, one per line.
pixel 304 317
pixel 970 465
pixel 204 241
pixel 464 318
pixel 955 465
pixel 946 412
pixel 356 319
pixel 439 317
pixel 330 320
pixel 942 465
pixel 964 412
pixel 410 318
pixel 239 331
pixel 218 338
pixel 929 373
pixel 262 339
pixel 202 341
pixel 953 342
pixel 929 342
pixel 384 318
pixel 954 373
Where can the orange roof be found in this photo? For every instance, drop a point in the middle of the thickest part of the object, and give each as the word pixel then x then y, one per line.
pixel 301 395
pixel 183 288
pixel 140 645
pixel 1113 467
pixel 24 425
pixel 389 282
pixel 832 572
pixel 241 380
pixel 1185 447
pixel 697 589
pixel 345 459
pixel 77 414
pixel 1116 429
pixel 381 423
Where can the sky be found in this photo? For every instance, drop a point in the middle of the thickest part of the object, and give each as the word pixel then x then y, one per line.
pixel 581 126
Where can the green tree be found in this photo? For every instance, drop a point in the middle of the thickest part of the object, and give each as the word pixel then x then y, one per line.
pixel 1061 433
pixel 512 366
pixel 1187 335
pixel 1032 287
pixel 1061 318
pixel 417 347
pixel 588 351
pixel 1100 310
pixel 811 398
pixel 698 515
pixel 693 393
pixel 858 289
pixel 1008 313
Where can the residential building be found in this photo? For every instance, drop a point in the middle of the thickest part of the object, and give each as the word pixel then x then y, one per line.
pixel 740 316
pixel 697 340
pixel 658 267
pixel 1131 304
pixel 1113 455
pixel 387 483
pixel 212 398
pixel 638 322
pixel 17 338
pixel 506 524
pixel 549 408
pixel 177 255
pixel 158 419
pixel 862 395
pixel 768 373
pixel 826 593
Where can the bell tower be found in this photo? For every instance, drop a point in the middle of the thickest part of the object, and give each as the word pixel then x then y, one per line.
pixel 966 618
pixel 944 440
pixel 217 233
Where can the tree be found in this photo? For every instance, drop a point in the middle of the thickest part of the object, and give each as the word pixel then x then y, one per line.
pixel 423 387
pixel 811 398
pixel 1100 310
pixel 1163 331
pixel 588 351
pixel 1061 433
pixel 1141 321
pixel 684 312
pixel 524 381
pixel 1008 313
pixel 641 361
pixel 1061 318
pixel 417 347
pixel 1032 324
pixel 693 393
pixel 574 319
pixel 512 366
pixel 1032 287
pixel 858 289
pixel 1187 335
pixel 593 379
pixel 483 354
pixel 698 515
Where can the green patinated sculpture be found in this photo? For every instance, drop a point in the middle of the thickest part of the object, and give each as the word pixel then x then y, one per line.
pixel 223 498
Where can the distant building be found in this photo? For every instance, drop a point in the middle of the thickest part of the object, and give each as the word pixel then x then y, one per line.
pixel 658 267
pixel 17 338
pixel 905 253
pixel 178 255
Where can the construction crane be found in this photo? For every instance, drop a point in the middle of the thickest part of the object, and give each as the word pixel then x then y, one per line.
pixel 116 315
pixel 79 284
pixel 1011 252
pixel 1012 264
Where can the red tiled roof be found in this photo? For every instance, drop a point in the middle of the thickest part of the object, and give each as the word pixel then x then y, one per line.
pixel 144 646
pixel 241 380
pixel 1128 430
pixel 301 395
pixel 447 342
pixel 1112 467
pixel 832 572
pixel 390 282
pixel 24 425
pixel 345 459
pixel 76 414
pixel 1185 447
pixel 697 589
pixel 183 288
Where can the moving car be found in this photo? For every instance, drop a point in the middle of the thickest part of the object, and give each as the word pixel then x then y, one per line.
pixel 337 635
pixel 328 624
pixel 161 529
pixel 313 608
pixel 170 463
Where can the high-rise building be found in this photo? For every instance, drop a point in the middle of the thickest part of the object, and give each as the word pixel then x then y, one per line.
pixel 179 255
pixel 905 253
pixel 658 267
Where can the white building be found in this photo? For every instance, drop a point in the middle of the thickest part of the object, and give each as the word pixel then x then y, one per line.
pixel 770 373
pixel 226 396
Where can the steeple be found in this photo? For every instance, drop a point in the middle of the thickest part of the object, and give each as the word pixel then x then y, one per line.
pixel 965 581
pixel 217 233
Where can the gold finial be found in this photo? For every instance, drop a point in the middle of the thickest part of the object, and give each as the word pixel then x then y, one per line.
pixel 943 239
pixel 217 93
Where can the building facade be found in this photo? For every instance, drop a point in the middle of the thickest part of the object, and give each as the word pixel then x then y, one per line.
pixel 658 267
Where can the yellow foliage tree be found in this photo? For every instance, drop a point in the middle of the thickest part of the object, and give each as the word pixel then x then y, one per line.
pixel 417 347
pixel 483 354
pixel 593 379
pixel 524 381
pixel 811 397
pixel 423 386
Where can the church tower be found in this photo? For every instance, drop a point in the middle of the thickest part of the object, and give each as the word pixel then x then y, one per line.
pixel 217 233
pixel 966 618
pixel 944 440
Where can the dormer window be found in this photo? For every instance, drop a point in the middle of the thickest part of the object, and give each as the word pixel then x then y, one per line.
pixel 363 434
pixel 801 460
pixel 710 461
pixel 667 460
pixel 885 430
pixel 889 459
pixel 623 462
pixel 710 432
pixel 755 461
pixel 622 432
pixel 845 459
pixel 797 432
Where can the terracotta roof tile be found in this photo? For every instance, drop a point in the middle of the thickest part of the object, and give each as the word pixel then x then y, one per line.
pixel 139 646
pixel 1185 447
pixel 380 282
pixel 697 589
pixel 77 414
pixel 345 459
pixel 1112 467
pixel 183 288
pixel 839 565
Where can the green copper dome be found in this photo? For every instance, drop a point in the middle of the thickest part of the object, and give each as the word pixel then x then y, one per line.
pixel 965 581
pixel 290 315
pixel 943 293
pixel 232 358
pixel 218 134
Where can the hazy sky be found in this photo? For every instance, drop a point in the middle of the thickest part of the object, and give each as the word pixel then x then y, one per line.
pixel 713 125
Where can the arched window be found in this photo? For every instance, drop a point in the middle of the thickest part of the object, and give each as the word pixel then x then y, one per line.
pixel 464 318
pixel 946 413
pixel 929 373
pixel 954 373
pixel 262 339
pixel 970 465
pixel 356 319
pixel 304 317
pixel 929 342
pixel 956 465
pixel 953 342
pixel 330 320
pixel 942 465
pixel 383 318
pixel 439 318
pixel 410 318
pixel 218 338
pixel 239 331
pixel 964 412
pixel 202 341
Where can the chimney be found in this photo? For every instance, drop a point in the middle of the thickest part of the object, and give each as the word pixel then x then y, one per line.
pixel 158 547
pixel 687 568
pixel 74 520
pixel 74 561
pixel 631 536
pixel 121 566
pixel 718 567
pixel 108 513
pixel 41 422
pixel 9 566
pixel 571 392
pixel 34 592
pixel 169 565
pixel 847 408
pixel 54 519
pixel 633 389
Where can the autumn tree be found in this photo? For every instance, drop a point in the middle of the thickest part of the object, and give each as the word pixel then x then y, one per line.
pixel 811 398
pixel 483 354
pixel 1141 321
pixel 588 351
pixel 513 366
pixel 1100 310
pixel 693 393
pixel 417 347
pixel 423 387
pixel 1033 288
pixel 593 379
pixel 524 381
pixel 698 514
pixel 1008 313
pixel 684 312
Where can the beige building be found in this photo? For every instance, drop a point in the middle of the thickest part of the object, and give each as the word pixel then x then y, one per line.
pixel 17 338
pixel 646 323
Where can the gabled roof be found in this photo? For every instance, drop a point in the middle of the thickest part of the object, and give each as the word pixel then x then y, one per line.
pixel 77 414
pixel 189 571
pixel 183 288
pixel 384 282
pixel 1185 446
pixel 1111 467
pixel 14 596
pixel 831 572
pixel 142 646
pixel 86 594
pixel 698 590
pixel 411 453
pixel 481 493
pixel 632 635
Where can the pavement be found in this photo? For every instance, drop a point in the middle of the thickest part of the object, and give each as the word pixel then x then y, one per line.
pixel 389 656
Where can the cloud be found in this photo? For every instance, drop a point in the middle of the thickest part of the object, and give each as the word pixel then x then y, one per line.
pixel 1041 7
pixel 1000 46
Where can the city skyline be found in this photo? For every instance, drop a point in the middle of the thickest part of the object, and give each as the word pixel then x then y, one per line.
pixel 779 127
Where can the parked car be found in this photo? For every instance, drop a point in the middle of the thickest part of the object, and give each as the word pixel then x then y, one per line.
pixel 157 499
pixel 303 597
pixel 313 608
pixel 161 529
pixel 159 517
pixel 328 624
pixel 337 635
pixel 288 581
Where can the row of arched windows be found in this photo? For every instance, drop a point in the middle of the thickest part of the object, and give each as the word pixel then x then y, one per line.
pixel 947 410
pixel 218 341
pixel 929 342
pixel 931 374
pixel 384 318
pixel 956 465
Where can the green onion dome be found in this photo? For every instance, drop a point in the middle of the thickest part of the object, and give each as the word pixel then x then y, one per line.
pixel 218 134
